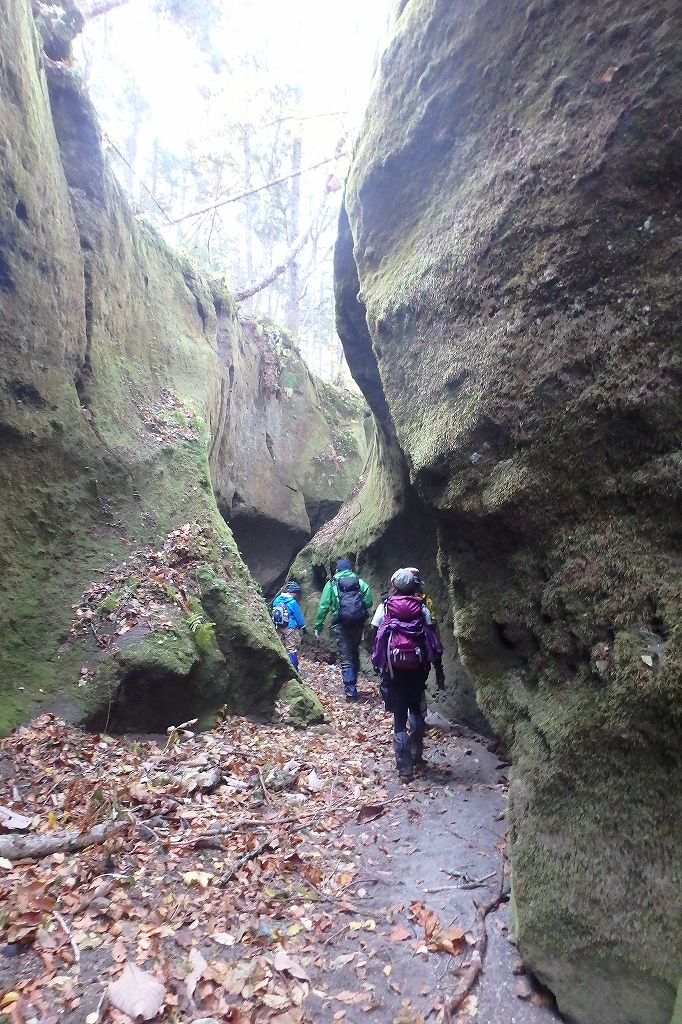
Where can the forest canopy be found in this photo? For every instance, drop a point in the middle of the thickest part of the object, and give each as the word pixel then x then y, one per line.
pixel 229 124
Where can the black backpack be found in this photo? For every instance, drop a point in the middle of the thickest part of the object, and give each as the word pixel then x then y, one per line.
pixel 352 609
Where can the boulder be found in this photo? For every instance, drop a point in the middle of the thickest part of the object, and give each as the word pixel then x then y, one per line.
pixel 290 448
pixel 515 213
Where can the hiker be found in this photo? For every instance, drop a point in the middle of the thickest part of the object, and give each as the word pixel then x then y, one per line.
pixel 349 599
pixel 287 618
pixel 426 598
pixel 405 647
pixel 438 665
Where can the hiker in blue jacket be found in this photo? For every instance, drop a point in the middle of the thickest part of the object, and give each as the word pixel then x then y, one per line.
pixel 349 600
pixel 287 618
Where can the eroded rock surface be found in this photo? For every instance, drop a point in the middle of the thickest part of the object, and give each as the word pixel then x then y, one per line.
pixel 290 449
pixel 516 219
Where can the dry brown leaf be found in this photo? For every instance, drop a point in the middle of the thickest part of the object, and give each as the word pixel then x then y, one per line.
pixel 10 821
pixel 199 965
pixel 399 934
pixel 291 1016
pixel 137 993
pixel 350 997
pixel 408 1016
pixel 275 1002
pixel 340 961
pixel 368 812
pixel 448 939
pixel 284 962
pixel 428 919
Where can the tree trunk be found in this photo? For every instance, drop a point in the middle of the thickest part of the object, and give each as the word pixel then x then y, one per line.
pixel 153 174
pixel 276 271
pixel 293 315
pixel 248 206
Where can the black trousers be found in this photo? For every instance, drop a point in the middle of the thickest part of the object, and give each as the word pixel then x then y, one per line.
pixel 402 693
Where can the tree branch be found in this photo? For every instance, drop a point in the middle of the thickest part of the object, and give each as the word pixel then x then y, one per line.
pixel 472 971
pixel 101 7
pixel 293 251
pixel 18 847
pixel 252 191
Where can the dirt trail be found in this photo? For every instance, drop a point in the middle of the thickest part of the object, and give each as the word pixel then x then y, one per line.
pixel 448 823
pixel 320 918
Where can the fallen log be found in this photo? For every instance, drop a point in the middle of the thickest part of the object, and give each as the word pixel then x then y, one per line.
pixel 33 846
pixel 475 966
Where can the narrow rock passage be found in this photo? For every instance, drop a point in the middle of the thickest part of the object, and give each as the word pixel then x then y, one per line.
pixel 436 839
pixel 310 886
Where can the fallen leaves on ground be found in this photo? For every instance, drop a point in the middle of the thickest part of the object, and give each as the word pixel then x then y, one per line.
pixel 226 901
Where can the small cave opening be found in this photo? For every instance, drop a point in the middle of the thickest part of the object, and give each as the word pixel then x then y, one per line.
pixel 146 701
pixel 27 394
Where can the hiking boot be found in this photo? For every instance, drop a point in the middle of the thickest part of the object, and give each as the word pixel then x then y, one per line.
pixel 403 756
pixel 417 729
pixel 351 695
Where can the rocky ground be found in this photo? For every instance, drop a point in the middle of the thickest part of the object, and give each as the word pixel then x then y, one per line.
pixel 307 886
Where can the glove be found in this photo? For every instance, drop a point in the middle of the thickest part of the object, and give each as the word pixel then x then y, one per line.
pixel 303 629
pixel 317 634
pixel 440 675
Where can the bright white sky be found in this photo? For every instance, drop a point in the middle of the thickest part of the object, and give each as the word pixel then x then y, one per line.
pixel 327 49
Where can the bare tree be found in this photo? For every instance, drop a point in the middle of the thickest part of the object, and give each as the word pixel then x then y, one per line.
pixel 293 318
pixel 331 185
pixel 99 7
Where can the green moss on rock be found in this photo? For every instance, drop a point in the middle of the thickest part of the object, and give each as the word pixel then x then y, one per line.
pixel 111 393
pixel 513 213
pixel 304 707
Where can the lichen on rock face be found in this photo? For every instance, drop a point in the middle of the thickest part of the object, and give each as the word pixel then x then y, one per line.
pixel 110 393
pixel 515 213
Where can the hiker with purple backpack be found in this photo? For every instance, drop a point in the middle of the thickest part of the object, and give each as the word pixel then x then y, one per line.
pixel 405 647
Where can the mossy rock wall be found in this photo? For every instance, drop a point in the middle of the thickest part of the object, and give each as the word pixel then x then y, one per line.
pixel 515 210
pixel 111 392
pixel 290 451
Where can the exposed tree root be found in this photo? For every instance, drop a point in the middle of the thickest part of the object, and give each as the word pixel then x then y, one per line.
pixel 472 971
pixel 34 847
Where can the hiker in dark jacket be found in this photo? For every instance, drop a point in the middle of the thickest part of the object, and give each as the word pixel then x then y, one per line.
pixel 405 647
pixel 349 600
pixel 292 620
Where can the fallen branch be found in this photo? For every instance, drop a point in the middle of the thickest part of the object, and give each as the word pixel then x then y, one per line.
pixel 472 971
pixel 34 847
pixel 217 835
pixel 74 945
pixel 242 861
pixel 259 188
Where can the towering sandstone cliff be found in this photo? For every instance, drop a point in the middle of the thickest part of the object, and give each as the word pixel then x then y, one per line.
pixel 509 295
pixel 119 374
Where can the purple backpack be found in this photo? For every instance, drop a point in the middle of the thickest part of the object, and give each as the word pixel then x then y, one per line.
pixel 406 645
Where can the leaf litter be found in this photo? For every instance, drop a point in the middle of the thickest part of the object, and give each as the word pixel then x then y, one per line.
pixel 222 902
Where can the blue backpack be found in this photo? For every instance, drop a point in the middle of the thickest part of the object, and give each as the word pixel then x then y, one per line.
pixel 280 614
